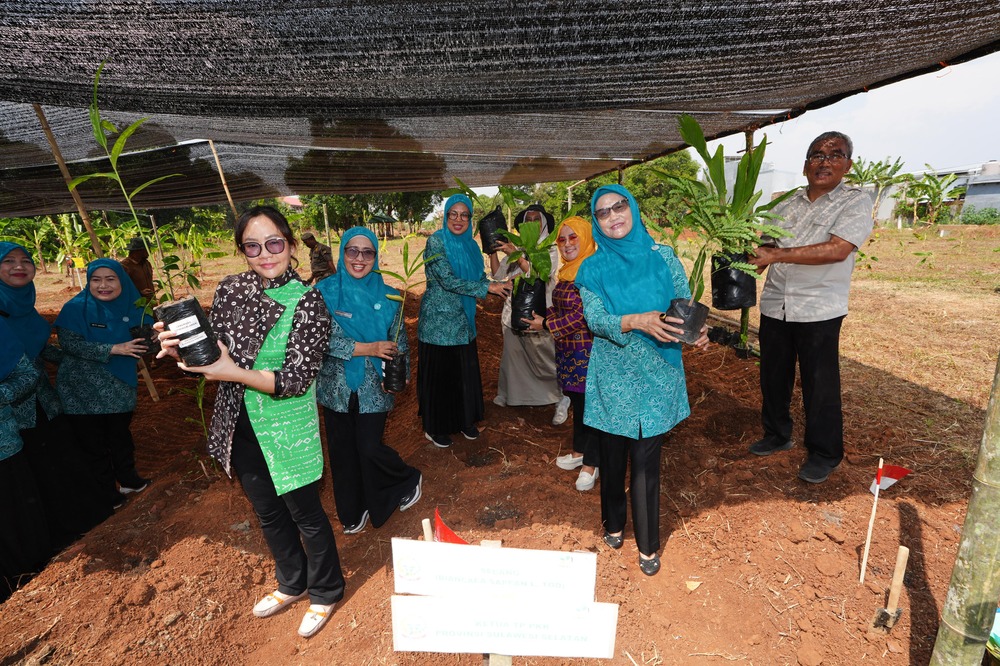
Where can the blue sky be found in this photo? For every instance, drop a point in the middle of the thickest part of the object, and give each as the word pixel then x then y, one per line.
pixel 948 118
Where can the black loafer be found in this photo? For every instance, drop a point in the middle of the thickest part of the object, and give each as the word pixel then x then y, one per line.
pixel 612 540
pixel 769 445
pixel 650 566
pixel 816 471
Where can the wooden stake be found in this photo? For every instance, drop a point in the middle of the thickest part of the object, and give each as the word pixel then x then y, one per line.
pixel 65 173
pixel 222 177
pixel 144 371
pixel 428 532
pixel 871 523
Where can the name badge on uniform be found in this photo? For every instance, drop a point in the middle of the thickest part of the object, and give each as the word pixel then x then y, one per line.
pixel 98 326
pixel 341 313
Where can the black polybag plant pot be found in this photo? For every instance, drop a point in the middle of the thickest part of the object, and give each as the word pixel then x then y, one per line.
pixel 149 335
pixel 527 299
pixel 489 230
pixel 694 316
pixel 199 346
pixel 394 374
pixel 732 289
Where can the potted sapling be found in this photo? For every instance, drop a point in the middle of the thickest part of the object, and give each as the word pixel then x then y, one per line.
pixel 528 296
pixel 394 371
pixel 727 226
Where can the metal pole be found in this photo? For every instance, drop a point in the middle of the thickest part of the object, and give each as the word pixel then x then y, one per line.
pixel 971 604
pixel 66 177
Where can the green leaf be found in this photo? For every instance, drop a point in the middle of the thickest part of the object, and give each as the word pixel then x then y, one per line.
pixel 152 182
pixel 394 297
pixel 119 146
pixel 82 179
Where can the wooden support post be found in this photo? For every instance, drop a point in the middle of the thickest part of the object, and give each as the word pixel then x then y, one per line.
pixel 222 177
pixel 326 223
pixel 144 371
pixel 65 173
pixel 495 659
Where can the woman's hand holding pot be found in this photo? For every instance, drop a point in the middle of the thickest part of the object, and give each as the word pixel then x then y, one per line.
pixel 168 341
pixel 384 349
pixel 134 348
pixel 536 323
pixel 653 324
pixel 501 289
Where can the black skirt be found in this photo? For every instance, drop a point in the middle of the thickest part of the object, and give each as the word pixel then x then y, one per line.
pixel 449 387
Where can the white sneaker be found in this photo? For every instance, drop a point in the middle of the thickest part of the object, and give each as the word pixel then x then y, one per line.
pixel 569 461
pixel 586 481
pixel 562 411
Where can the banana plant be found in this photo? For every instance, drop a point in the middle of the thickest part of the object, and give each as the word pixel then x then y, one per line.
pixel 103 129
pixel 722 222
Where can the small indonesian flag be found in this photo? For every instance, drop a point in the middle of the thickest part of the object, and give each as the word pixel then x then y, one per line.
pixel 886 476
pixel 443 533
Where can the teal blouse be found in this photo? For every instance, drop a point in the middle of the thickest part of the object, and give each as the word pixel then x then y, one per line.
pixel 631 390
pixel 24 409
pixel 84 383
pixel 442 318
pixel 18 384
pixel 331 385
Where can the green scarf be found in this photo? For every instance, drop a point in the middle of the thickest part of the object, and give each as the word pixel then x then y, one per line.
pixel 287 428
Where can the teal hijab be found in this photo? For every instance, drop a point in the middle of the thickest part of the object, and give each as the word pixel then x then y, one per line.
pixel 463 254
pixel 629 274
pixel 17 306
pixel 106 322
pixel 359 306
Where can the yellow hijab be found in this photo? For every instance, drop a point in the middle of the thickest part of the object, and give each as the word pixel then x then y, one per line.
pixel 567 272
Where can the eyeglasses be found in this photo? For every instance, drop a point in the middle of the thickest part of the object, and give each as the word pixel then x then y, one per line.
pixel 819 158
pixel 367 254
pixel 603 213
pixel 455 215
pixel 563 240
pixel 252 249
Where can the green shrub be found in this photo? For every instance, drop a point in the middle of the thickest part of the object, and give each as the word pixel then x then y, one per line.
pixel 979 217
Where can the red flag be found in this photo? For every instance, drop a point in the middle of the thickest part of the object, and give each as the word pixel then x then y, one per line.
pixel 889 474
pixel 443 533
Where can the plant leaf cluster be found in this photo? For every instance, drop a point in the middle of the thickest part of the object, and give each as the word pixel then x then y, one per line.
pixel 532 247
pixel 722 222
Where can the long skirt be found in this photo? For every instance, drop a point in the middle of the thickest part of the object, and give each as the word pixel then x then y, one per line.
pixel 449 387
pixel 528 369
pixel 24 532
pixel 367 474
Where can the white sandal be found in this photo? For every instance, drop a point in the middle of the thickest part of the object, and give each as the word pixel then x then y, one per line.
pixel 275 602
pixel 314 619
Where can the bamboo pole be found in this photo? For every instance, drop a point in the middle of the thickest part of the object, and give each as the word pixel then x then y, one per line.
pixel 971 604
pixel 222 177
pixel 65 174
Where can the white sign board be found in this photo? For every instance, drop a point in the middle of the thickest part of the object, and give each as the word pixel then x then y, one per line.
pixel 463 571
pixel 527 627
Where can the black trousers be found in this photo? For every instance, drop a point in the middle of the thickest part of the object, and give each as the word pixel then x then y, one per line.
pixel 644 453
pixel 294 524
pixel 108 449
pixel 72 498
pixel 367 474
pixel 585 438
pixel 815 346
pixel 24 531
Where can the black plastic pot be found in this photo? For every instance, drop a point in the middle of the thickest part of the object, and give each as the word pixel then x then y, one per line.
pixel 149 336
pixel 732 289
pixel 394 374
pixel 199 346
pixel 527 299
pixel 694 316
pixel 489 230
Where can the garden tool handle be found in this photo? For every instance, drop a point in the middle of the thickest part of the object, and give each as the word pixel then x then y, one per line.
pixel 902 555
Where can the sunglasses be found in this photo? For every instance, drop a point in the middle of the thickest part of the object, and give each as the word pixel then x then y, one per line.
pixel 252 249
pixel 366 254
pixel 604 213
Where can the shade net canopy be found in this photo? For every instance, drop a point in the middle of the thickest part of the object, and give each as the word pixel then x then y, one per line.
pixel 302 97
